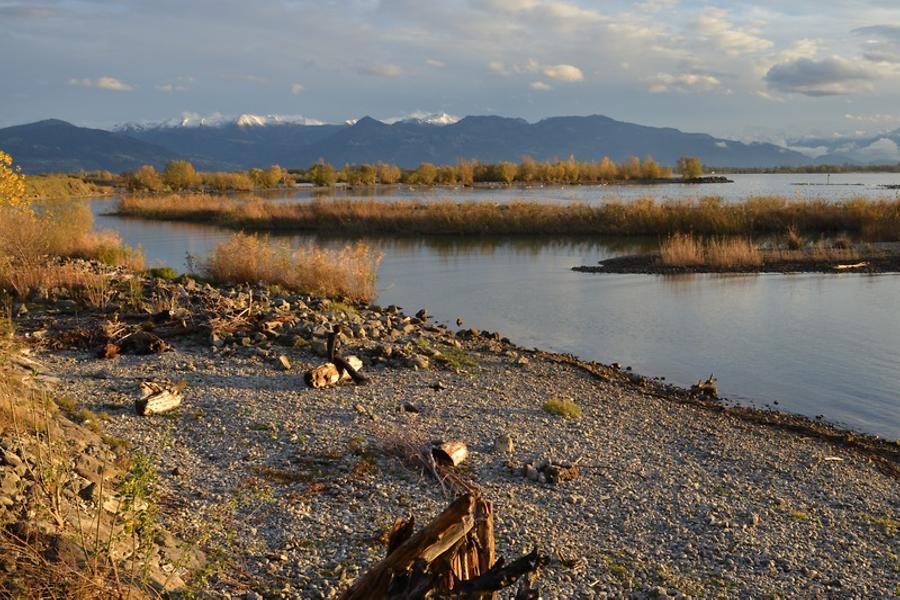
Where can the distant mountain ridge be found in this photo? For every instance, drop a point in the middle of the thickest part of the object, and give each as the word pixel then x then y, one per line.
pixel 257 141
pixel 57 146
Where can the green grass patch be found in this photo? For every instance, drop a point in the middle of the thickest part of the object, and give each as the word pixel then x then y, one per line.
pixel 167 273
pixel 562 407
pixel 342 307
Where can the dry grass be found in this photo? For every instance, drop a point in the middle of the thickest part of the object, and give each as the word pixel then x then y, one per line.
pixel 875 219
pixel 685 250
pixel 63 229
pixel 348 272
pixel 60 228
pixel 682 249
pixel 91 289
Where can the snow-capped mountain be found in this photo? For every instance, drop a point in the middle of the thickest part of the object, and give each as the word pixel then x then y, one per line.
pixel 424 118
pixel 190 119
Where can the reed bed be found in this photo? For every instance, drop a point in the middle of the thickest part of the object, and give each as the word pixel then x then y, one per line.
pixel 875 220
pixel 687 250
pixel 349 272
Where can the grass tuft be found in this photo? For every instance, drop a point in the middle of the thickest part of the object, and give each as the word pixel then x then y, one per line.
pixel 563 408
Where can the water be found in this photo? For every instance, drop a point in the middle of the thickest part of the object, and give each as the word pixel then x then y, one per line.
pixel 840 186
pixel 814 344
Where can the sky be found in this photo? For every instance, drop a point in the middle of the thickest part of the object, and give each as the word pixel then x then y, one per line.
pixel 764 70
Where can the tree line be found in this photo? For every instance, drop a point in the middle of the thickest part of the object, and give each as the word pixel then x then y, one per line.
pixel 180 175
pixel 470 172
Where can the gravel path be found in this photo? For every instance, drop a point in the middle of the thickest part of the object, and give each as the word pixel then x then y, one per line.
pixel 289 489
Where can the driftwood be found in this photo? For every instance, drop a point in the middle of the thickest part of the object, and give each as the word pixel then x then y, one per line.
pixel 142 342
pixel 452 557
pixel 157 399
pixel 451 453
pixel 330 375
pixel 338 369
pixel 706 388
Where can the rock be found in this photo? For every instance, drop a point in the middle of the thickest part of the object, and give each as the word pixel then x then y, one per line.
pixel 246 341
pixel 522 361
pixel 531 473
pixel 284 362
pixel 438 386
pixel 504 443
pixel 422 314
pixel 420 362
pixel 410 407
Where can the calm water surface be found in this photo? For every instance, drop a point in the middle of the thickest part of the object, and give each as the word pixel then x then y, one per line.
pixel 836 187
pixel 815 344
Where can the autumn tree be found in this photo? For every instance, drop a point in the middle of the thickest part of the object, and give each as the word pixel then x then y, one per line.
pixel 425 174
pixel 690 167
pixel 146 178
pixel 180 175
pixel 322 174
pixel 506 172
pixel 12 183
pixel 388 174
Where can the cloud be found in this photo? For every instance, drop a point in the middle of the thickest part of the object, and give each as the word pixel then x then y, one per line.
pixel 540 86
pixel 882 44
pixel 497 67
pixel 563 72
pixel 181 84
pixel 433 62
pixel 27 12
pixel 882 149
pixel 877 118
pixel 684 83
pixel 103 83
pixel 382 70
pixel 826 77
pixel 297 89
pixel 714 25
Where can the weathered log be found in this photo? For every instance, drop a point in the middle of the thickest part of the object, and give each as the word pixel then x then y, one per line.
pixel 499 577
pixel 448 528
pixel 451 453
pixel 329 375
pixel 157 399
pixel 143 342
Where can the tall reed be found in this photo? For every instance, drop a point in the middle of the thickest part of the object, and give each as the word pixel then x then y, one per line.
pixel 349 271
pixel 711 216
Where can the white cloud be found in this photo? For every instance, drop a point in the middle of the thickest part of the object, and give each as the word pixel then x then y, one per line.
pixel 684 83
pixel 433 62
pixel 540 86
pixel 497 67
pixel 103 83
pixel 714 25
pixel 181 84
pixel 876 118
pixel 563 72
pixel 297 89
pixel 881 149
pixel 382 70
pixel 440 118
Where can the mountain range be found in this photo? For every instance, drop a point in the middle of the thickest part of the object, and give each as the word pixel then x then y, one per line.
pixel 296 142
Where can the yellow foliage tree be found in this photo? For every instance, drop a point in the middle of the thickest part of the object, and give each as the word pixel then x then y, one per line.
pixel 12 183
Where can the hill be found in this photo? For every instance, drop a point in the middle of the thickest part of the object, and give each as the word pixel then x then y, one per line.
pixel 257 142
pixel 57 146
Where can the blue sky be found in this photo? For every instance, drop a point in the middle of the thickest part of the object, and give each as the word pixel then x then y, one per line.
pixel 763 70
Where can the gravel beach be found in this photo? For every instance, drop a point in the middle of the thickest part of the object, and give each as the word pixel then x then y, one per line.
pixel 289 490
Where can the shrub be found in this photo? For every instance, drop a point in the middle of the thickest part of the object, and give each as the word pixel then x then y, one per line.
pixel 348 272
pixel 563 408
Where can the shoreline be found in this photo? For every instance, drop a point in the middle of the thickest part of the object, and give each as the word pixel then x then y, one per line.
pixel 648 264
pixel 664 474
